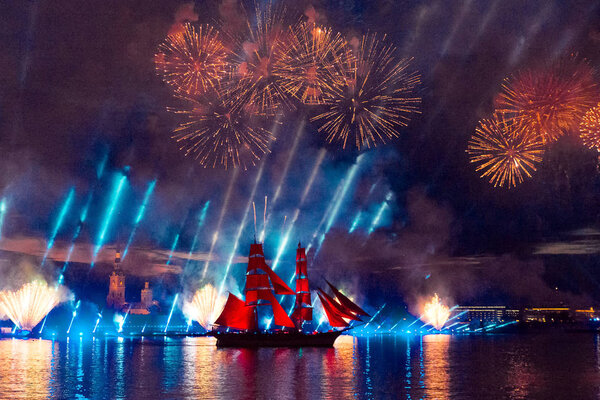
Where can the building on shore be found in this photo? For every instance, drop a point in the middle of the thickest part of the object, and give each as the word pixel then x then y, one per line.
pixel 116 293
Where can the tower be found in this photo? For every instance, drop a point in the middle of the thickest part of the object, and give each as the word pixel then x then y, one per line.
pixel 116 288
pixel 147 296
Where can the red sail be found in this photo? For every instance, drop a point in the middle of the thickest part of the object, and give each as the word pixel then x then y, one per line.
pixel 279 285
pixel 339 310
pixel 348 304
pixel 301 261
pixel 280 317
pixel 302 309
pixel 334 319
pixel 256 261
pixel 237 315
pixel 303 314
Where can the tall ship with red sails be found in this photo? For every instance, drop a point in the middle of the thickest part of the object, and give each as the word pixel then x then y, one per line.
pixel 239 324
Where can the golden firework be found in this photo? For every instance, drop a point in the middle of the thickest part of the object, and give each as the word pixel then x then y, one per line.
pixel 375 100
pixel 205 306
pixel 551 101
pixel 315 64
pixel 27 306
pixel 219 132
pixel 505 150
pixel 589 130
pixel 192 61
pixel 435 313
pixel 256 55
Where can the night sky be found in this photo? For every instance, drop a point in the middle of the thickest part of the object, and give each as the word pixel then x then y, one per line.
pixel 78 83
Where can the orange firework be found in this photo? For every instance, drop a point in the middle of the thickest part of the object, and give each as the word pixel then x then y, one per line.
pixel 552 101
pixel 192 61
pixel 589 130
pixel 315 64
pixel 435 313
pixel 255 59
pixel 505 150
pixel 218 132
pixel 375 100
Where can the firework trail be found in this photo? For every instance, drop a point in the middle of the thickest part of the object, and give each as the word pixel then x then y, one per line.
pixel 550 101
pixel 193 61
pixel 375 101
pixel 505 150
pixel 27 306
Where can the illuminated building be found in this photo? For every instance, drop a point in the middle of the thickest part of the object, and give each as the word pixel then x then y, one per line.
pixel 485 313
pixel 116 289
pixel 146 303
pixel 547 314
pixel 480 313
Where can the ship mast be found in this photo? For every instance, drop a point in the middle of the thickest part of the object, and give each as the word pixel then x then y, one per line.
pixel 303 307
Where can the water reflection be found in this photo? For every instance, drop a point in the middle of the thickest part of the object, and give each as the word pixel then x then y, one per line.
pixel 26 369
pixel 437 367
pixel 432 367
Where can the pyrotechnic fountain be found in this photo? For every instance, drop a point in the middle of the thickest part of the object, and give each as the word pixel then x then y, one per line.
pixel 435 313
pixel 28 305
pixel 205 306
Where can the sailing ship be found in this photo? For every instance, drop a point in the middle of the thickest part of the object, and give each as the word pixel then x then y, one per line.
pixel 238 324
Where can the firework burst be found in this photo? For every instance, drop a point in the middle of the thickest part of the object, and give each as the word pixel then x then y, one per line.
pixel 33 301
pixel 315 63
pixel 505 150
pixel 589 130
pixel 552 101
pixel 435 313
pixel 266 41
pixel 192 61
pixel 205 306
pixel 375 100
pixel 219 132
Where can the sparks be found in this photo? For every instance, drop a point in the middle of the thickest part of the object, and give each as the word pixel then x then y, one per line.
pixel 505 150
pixel 376 99
pixel 435 313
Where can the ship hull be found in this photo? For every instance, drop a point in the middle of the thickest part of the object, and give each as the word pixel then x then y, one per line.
pixel 279 339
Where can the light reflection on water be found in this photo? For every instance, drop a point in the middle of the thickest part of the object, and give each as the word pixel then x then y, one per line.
pixel 431 367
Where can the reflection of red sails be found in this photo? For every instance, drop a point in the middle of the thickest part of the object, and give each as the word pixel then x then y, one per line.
pixel 262 284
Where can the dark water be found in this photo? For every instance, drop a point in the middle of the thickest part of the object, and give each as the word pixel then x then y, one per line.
pixel 562 366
